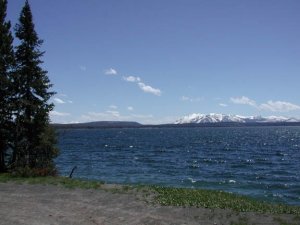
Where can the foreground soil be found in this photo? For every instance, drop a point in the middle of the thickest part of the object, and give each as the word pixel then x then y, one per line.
pixel 110 205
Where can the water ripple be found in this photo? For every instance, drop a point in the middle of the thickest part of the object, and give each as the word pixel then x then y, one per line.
pixel 259 161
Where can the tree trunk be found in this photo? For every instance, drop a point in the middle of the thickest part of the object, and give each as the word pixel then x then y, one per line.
pixel 2 156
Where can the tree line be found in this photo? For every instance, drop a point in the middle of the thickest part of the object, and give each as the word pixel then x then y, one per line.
pixel 27 142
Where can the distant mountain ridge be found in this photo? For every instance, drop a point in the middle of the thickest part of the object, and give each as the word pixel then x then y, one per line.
pixel 192 120
pixel 99 124
pixel 197 118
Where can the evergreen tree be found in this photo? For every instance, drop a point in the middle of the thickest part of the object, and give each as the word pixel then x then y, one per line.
pixel 34 145
pixel 6 68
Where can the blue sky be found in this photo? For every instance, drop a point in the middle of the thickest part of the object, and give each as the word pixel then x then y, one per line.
pixel 155 61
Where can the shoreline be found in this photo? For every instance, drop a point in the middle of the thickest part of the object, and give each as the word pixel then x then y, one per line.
pixel 94 125
pixel 67 201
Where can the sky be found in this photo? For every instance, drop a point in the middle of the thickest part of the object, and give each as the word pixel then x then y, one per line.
pixel 156 61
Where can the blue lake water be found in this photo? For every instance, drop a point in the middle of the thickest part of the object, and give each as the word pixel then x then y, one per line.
pixel 262 162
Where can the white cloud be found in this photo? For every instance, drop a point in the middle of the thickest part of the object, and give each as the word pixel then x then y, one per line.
pixel 116 116
pixel 243 100
pixel 110 71
pixel 109 115
pixel 102 116
pixel 132 79
pixel 149 89
pixel 141 116
pixel 113 113
pixel 144 87
pixel 185 98
pixel 223 105
pixel 59 101
pixel 274 106
pixel 130 108
pixel 55 113
pixel 279 106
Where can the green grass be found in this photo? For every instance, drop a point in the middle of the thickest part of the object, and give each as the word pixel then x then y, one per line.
pixel 218 199
pixel 63 181
pixel 171 196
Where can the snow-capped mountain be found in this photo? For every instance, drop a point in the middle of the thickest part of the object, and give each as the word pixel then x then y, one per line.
pixel 217 118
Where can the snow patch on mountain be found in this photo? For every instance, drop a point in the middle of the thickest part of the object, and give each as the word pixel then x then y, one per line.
pixel 219 118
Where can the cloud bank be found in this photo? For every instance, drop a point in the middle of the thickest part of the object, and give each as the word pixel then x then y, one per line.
pixel 56 113
pixel 149 89
pixel 279 106
pixel 59 101
pixel 274 106
pixel 189 99
pixel 132 79
pixel 223 105
pixel 243 100
pixel 144 87
pixel 110 71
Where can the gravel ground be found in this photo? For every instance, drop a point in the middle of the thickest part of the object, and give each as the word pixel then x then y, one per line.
pixel 47 204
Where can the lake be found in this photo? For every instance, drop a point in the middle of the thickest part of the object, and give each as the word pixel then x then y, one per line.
pixel 262 162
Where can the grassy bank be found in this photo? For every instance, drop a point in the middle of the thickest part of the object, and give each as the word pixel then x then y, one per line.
pixel 218 199
pixel 63 181
pixel 170 196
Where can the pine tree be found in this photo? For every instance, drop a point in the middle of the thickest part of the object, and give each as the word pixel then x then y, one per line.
pixel 34 145
pixel 6 69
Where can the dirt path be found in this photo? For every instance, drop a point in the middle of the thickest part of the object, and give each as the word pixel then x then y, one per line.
pixel 39 204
